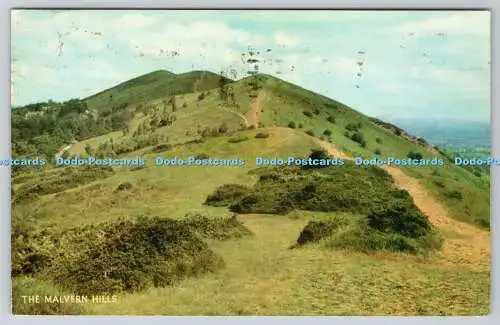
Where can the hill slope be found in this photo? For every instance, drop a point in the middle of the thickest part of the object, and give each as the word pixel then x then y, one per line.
pixel 265 116
pixel 151 86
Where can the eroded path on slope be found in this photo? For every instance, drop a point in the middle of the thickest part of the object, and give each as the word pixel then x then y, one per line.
pixel 253 116
pixel 464 243
pixel 243 117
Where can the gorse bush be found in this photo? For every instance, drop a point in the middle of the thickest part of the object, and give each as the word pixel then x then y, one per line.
pixel 132 256
pixel 454 194
pixel 123 255
pixel 385 218
pixel 400 217
pixel 415 155
pixel 314 231
pixel 215 228
pixel 123 187
pixel 313 189
pixel 262 135
pixel 227 195
pixel 308 113
pixel 410 232
pixel 238 139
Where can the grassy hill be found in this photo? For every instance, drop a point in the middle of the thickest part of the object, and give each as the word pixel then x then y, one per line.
pixel 283 104
pixel 308 241
pixel 151 86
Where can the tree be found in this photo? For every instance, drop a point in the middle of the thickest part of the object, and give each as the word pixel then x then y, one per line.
pixel 120 120
pixel 125 130
pixel 45 145
pixel 223 81
pixel 174 103
pixel 415 155
pixel 89 150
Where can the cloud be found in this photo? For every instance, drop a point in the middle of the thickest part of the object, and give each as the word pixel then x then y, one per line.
pixel 134 21
pixel 466 23
pixel 285 39
pixel 321 46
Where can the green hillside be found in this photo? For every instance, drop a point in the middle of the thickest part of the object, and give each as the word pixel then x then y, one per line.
pixel 247 239
pixel 151 86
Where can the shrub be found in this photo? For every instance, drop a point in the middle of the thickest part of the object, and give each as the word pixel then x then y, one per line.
pixel 365 239
pixel 274 176
pixel 415 155
pixel 401 218
pixel 216 228
pixel 319 154
pixel 482 223
pixel 227 195
pixel 358 137
pixel 123 187
pixel 378 140
pixel 352 127
pixel 422 141
pixel 454 194
pixel 330 119
pixel 310 132
pixel 308 113
pixel 162 147
pixel 438 183
pixel 244 205
pixel 378 152
pixel 262 135
pixel 327 133
pixel 132 256
pixel 238 139
pixel 291 125
pixel 201 96
pixel 314 231
pixel 202 156
pixel 223 128
pixel 316 111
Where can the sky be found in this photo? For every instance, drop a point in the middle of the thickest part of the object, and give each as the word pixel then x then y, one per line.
pixel 387 64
